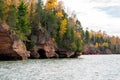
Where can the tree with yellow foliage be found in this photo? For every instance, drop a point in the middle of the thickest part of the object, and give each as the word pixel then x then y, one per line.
pixel 31 6
pixel 59 14
pixel 50 4
pixel 91 34
pixel 96 44
pixel 113 40
pixel 105 44
pixel 63 27
pixel 59 9
pixel 78 35
pixel 98 34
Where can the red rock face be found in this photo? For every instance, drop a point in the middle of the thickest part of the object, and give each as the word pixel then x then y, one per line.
pixel 43 51
pixel 44 47
pixel 90 50
pixel 11 49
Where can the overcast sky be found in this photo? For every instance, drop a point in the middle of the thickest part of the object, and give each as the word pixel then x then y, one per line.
pixel 97 14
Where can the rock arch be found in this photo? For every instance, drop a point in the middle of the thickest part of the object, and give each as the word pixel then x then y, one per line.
pixel 42 53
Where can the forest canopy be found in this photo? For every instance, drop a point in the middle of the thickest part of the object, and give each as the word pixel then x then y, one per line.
pixel 25 17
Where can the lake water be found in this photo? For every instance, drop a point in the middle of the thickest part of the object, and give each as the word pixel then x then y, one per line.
pixel 88 67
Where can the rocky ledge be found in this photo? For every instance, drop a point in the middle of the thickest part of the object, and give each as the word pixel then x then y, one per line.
pixel 46 48
pixel 11 48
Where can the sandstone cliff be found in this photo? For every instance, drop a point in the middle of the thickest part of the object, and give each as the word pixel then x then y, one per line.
pixel 11 48
pixel 44 46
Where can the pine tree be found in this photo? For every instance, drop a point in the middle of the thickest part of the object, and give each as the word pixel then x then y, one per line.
pixel 87 37
pixel 22 28
pixel 12 16
pixel 2 10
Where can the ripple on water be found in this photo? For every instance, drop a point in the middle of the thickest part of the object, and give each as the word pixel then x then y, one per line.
pixel 89 67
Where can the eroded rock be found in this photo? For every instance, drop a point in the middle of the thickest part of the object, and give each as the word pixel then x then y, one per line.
pixel 11 48
pixel 44 46
pixel 68 54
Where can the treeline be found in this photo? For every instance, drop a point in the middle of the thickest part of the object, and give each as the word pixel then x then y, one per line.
pixel 101 41
pixel 26 17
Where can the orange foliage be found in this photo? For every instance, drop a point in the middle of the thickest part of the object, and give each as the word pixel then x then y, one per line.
pixel 50 4
pixel 9 2
pixel 31 3
pixel 78 34
pixel 17 2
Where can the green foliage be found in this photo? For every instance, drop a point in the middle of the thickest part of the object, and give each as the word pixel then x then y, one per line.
pixel 12 16
pixel 26 19
pixel 2 10
pixel 73 46
pixel 79 44
pixel 22 28
pixel 50 23
pixel 87 37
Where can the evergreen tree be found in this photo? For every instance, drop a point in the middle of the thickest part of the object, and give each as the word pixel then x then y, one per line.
pixel 12 16
pixel 36 17
pixel 87 37
pixel 22 28
pixel 2 10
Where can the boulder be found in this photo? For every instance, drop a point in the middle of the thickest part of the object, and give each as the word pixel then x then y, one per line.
pixel 11 48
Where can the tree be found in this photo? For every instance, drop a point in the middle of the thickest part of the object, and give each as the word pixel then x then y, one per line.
pixel 87 37
pixel 59 14
pixel 35 16
pixel 12 16
pixel 59 9
pixel 2 10
pixel 22 28
pixel 63 28
pixel 79 44
pixel 50 4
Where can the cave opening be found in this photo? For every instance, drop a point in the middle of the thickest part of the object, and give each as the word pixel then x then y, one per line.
pixel 42 54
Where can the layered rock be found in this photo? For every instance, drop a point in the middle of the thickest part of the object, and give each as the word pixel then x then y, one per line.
pixel 11 48
pixel 44 46
pixel 67 54
pixel 43 51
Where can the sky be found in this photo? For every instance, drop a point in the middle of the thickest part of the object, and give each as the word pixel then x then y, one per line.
pixel 96 15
